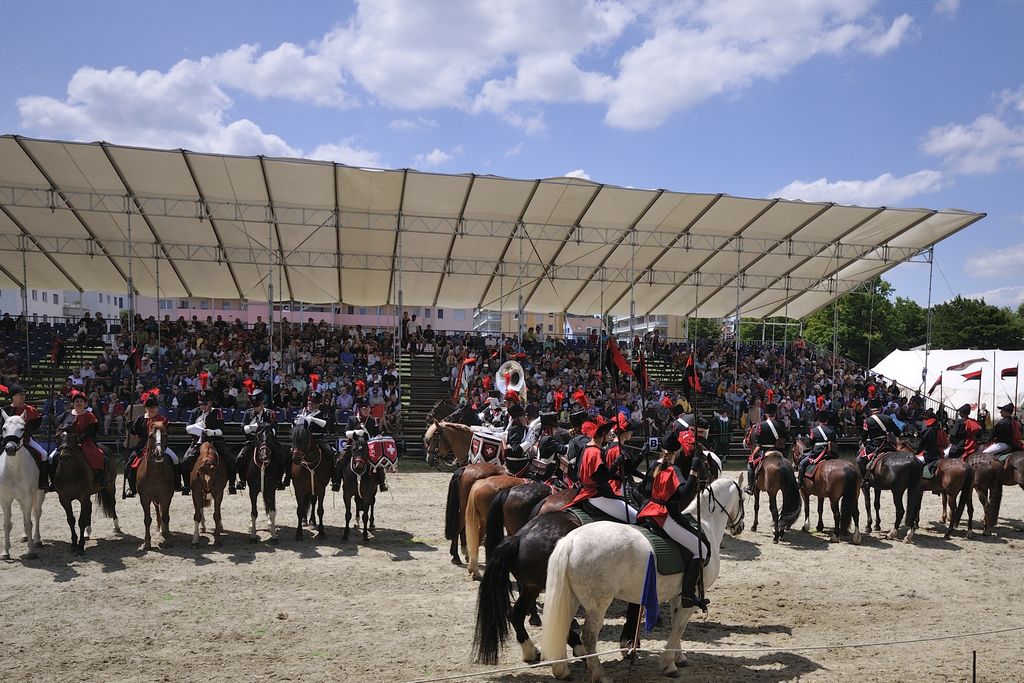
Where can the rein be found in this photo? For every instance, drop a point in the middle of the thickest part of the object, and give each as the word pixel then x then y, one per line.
pixel 733 523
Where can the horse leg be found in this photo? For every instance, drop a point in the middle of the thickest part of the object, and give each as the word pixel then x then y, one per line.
pixel 84 522
pixel 66 504
pixel 945 501
pixel 757 507
pixel 8 524
pixel 197 519
pixel 867 505
pixel 300 512
pixel 165 521
pixel 821 509
pixel 526 602
pixel 983 499
pixel 366 521
pixel 348 516
pixel 147 519
pixel 37 515
pixel 270 503
pixel 26 516
pixel 321 532
pixel 807 509
pixel 774 507
pixel 897 500
pixel 218 528
pixel 591 630
pixel 836 517
pixel 673 656
pixel 254 492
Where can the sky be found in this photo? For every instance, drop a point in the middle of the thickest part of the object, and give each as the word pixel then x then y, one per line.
pixel 914 103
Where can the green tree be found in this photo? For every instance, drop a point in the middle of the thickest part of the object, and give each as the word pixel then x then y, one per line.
pixel 865 330
pixel 971 323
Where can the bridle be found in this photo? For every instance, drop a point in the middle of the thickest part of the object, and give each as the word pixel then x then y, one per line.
pixel 439 435
pixel 734 523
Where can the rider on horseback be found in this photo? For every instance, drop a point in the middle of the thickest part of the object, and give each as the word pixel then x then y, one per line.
pixel 963 437
pixel 577 443
pixel 598 485
pixel 875 433
pixel 84 424
pixel 493 416
pixel 548 454
pixel 516 457
pixel 768 434
pixel 206 423
pixel 253 420
pixel 319 425
pixel 823 439
pixel 140 430
pixel 671 493
pixel 930 451
pixel 1006 434
pixel 360 421
pixel 33 420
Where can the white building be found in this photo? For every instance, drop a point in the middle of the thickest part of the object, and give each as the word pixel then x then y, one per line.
pixel 47 305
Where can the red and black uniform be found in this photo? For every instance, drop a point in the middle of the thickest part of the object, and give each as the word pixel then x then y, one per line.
pixel 85 427
pixel 963 438
pixel 596 486
pixel 140 430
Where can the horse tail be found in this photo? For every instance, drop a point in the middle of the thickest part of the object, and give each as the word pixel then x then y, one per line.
pixel 105 498
pixel 559 601
pixel 451 511
pixel 848 504
pixel 495 531
pixel 494 602
pixel 790 496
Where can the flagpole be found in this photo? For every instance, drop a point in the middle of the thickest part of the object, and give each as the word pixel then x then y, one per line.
pixel 995 372
pixel 1016 384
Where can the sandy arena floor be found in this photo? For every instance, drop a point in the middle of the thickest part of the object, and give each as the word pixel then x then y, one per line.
pixel 395 609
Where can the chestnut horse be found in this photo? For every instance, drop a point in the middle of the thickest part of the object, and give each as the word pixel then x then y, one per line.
pixel 898 471
pixel 447 444
pixel 155 482
pixel 839 481
pixel 776 474
pixel 359 481
pixel 311 472
pixel 953 478
pixel 478 504
pixel 208 478
pixel 988 483
pixel 458 494
pixel 74 480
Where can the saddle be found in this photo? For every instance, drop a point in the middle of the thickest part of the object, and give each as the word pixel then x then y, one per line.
pixel 383 453
pixel 929 470
pixel 489 448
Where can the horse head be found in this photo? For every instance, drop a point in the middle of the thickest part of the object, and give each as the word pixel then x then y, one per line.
pixel 359 453
pixel 726 495
pixel 432 442
pixel 800 445
pixel 155 445
pixel 14 434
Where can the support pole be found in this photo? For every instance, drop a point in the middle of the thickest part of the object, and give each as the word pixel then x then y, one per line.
pixel 739 253
pixel 270 313
pixel 24 303
pixel 928 326
pixel 158 312
pixel 131 282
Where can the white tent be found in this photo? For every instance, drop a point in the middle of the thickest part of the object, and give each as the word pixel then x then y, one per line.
pixel 954 367
pixel 92 216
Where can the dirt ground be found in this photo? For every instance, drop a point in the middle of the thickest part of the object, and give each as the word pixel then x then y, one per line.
pixel 395 609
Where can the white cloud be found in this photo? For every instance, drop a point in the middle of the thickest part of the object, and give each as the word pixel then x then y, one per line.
pixel 578 173
pixel 1002 296
pixel 885 190
pixel 991 142
pixel 407 125
pixel 346 152
pixel 437 157
pixel 947 7
pixel 997 263
pixel 514 151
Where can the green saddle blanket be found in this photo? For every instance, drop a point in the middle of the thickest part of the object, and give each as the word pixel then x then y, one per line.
pixel 667 555
pixel 1002 457
pixel 929 470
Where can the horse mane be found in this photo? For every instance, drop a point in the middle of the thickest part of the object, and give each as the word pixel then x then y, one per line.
pixel 456 427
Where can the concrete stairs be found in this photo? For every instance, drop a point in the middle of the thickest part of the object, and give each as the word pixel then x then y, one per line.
pixel 421 387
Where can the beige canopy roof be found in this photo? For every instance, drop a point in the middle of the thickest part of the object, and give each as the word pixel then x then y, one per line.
pixel 207 225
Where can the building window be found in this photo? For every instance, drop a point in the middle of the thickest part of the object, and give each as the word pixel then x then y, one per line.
pixel 362 311
pixel 426 313
pixel 183 303
pixel 460 315
pixel 225 306
pixel 120 302
pixel 551 328
pixel 46 300
pixel 351 310
pixel 204 304
pixel 56 298
pixel 166 304
pixel 551 315
pixel 440 314
pixel 35 295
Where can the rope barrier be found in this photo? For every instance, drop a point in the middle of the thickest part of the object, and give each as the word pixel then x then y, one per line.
pixel 719 650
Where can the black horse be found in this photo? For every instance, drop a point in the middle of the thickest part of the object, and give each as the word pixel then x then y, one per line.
pixel 359 481
pixel 898 471
pixel 262 474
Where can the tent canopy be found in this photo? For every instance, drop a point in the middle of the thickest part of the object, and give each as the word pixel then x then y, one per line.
pixel 997 382
pixel 89 216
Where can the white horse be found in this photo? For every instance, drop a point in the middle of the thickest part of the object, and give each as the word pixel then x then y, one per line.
pixel 19 479
pixel 604 561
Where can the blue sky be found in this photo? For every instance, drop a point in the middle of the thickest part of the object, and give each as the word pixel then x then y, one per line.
pixel 913 103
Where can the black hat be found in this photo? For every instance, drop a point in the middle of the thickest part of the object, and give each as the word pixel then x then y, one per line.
pixel 533 411
pixel 314 397
pixel 1007 408
pixel 548 419
pixel 875 404
pixel 670 443
pixel 150 399
pixel 14 390
pixel 494 393
pixel 603 428
pixel 256 396
pixel 205 397
pixel 965 409
pixel 771 409
pixel 821 415
pixel 515 411
pixel 578 418
pixel 677 410
pixel 550 447
pixel 702 423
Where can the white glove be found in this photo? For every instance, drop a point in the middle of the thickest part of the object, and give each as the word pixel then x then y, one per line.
pixel 208 432
pixel 248 429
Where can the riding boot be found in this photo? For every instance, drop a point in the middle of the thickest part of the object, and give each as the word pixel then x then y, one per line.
pixel 52 471
pixel 185 469
pixel 749 490
pixel 130 493
pixel 44 472
pixel 689 592
pixel 804 464
pixel 336 474
pixel 380 481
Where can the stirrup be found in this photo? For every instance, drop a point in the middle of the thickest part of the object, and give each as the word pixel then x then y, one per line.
pixel 701 603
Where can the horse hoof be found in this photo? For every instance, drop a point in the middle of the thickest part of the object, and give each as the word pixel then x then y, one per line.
pixel 561 671
pixel 946 536
pixel 775 540
pixel 674 673
pixel 535 620
pixel 892 535
pixel 833 539
pixel 5 556
pixel 856 539
pixel 456 561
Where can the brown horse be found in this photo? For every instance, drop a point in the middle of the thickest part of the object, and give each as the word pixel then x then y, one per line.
pixel 512 509
pixel 208 478
pixel 74 480
pixel 311 472
pixel 447 444
pixel 953 478
pixel 1013 470
pixel 839 481
pixel 988 483
pixel 155 484
pixel 477 506
pixel 359 481
pixel 898 471
pixel 458 494
pixel 776 474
